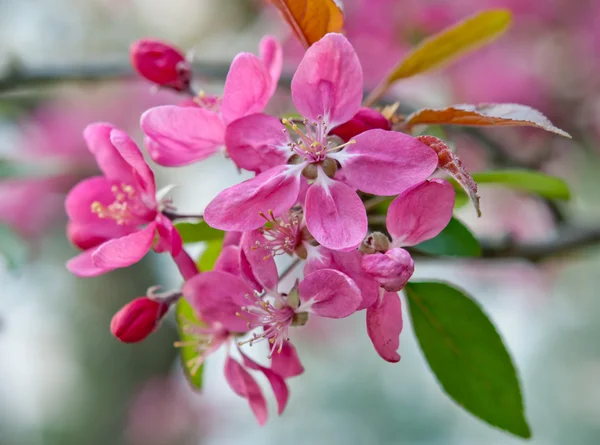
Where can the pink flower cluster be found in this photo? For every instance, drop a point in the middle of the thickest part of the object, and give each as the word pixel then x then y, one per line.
pixel 314 177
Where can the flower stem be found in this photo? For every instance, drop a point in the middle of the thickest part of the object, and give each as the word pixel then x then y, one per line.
pixel 186 265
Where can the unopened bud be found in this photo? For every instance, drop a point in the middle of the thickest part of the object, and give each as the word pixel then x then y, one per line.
pixel 365 119
pixel 161 63
pixel 391 270
pixel 137 319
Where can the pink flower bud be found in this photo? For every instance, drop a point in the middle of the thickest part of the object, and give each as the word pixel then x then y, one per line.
pixel 161 63
pixel 365 119
pixel 392 269
pixel 137 319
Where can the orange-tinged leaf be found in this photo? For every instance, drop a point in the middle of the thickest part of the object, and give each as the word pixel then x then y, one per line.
pixel 487 115
pixel 311 19
pixel 453 42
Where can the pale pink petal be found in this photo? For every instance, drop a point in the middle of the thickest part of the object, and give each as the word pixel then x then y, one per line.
pixel 182 135
pixel 229 260
pixel 386 162
pixel 247 88
pixel 257 142
pixel 110 161
pixel 420 213
pixel 130 152
pixel 242 383
pixel 328 81
pixel 349 263
pixel 384 324
pixel 271 55
pixel 125 251
pixel 237 208
pixel 392 270
pixel 215 295
pixel 277 382
pixel 82 265
pixel 335 215
pixel 262 265
pixel 329 293
pixel 286 363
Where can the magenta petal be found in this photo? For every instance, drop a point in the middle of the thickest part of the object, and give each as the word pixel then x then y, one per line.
pixel 232 239
pixel 329 293
pixel 125 251
pixel 328 81
pixel 286 363
pixel 271 55
pixel 335 215
pixel 216 295
pixel 386 162
pixel 182 135
pixel 110 161
pixel 242 383
pixel 237 208
pixel 392 270
pixel 78 203
pixel 82 265
pixel 247 88
pixel 420 213
pixel 257 142
pixel 169 239
pixel 133 156
pixel 277 382
pixel 384 324
pixel 229 260
pixel 262 265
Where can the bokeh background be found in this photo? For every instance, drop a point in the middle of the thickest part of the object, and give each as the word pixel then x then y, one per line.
pixel 65 380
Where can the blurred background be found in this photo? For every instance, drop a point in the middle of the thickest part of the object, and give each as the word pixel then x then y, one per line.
pixel 65 380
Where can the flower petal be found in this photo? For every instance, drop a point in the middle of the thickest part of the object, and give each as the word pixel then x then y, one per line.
pixel 277 382
pixel 242 383
pixel 247 88
pixel 125 251
pixel 237 208
pixel 229 260
pixel 392 270
pixel 82 265
pixel 181 135
pixel 420 213
pixel 271 55
pixel 384 325
pixel 257 142
pixel 216 295
pixel 261 265
pixel 335 215
pixel 110 161
pixel 169 239
pixel 328 81
pixel 329 293
pixel 349 263
pixel 130 152
pixel 386 162
pixel 286 363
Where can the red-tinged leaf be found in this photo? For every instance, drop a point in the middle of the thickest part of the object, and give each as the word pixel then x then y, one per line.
pixel 484 115
pixel 450 163
pixel 311 19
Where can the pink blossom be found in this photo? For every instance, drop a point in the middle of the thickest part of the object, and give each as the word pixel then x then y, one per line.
pixel 180 135
pixel 327 91
pixel 116 217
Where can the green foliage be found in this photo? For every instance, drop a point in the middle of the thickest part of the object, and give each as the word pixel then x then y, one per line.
pixel 184 315
pixel 209 256
pixel 197 232
pixel 455 240
pixel 467 355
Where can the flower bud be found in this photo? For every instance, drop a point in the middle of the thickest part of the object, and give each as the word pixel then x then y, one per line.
pixel 391 270
pixel 137 319
pixel 161 63
pixel 365 119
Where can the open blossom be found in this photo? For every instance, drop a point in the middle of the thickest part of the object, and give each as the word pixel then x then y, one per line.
pixel 327 91
pixel 180 135
pixel 116 218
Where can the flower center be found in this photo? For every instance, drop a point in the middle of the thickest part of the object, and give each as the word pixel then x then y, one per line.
pixel 274 319
pixel 204 339
pixel 208 102
pixel 128 207
pixel 280 235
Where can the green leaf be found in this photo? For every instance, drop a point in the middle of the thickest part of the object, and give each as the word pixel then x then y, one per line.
pixel 197 232
pixel 527 181
pixel 455 240
pixel 211 253
pixel 467 355
pixel 184 315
